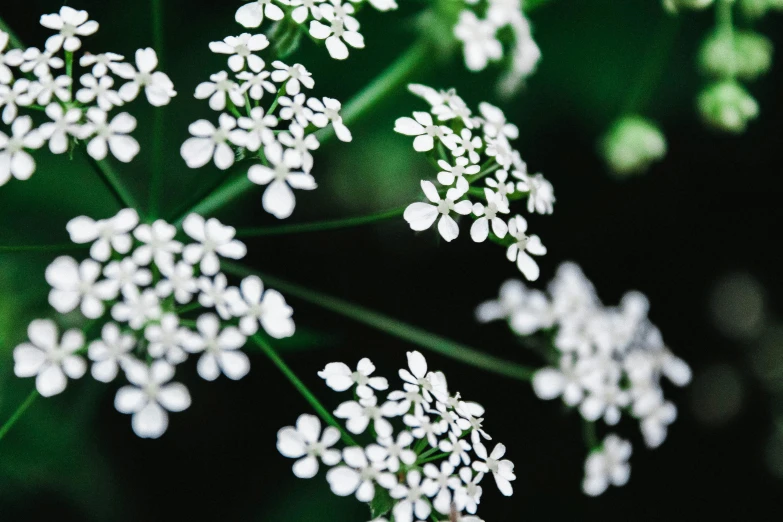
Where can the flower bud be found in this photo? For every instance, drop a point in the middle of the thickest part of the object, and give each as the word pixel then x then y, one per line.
pixel 746 55
pixel 754 9
pixel 632 145
pixel 674 6
pixel 727 106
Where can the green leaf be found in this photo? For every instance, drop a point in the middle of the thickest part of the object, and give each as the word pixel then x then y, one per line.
pixel 381 504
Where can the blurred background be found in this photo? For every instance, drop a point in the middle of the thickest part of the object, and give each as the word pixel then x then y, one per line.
pixel 695 233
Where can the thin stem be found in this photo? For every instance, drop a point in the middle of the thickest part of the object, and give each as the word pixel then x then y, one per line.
pixel 112 180
pixel 432 459
pixel 301 388
pixel 158 124
pixel 22 407
pixel 724 19
pixel 319 226
pixel 69 69
pixel 393 327
pixel 41 248
pixel 588 433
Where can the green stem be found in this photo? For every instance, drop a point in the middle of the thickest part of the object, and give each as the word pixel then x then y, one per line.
pixel 321 225
pixel 589 435
pixel 12 38
pixel 432 459
pixel 158 124
pixel 393 327
pixel 724 19
pixel 301 388
pixel 41 248
pixel 69 69
pixel 112 180
pixel 22 407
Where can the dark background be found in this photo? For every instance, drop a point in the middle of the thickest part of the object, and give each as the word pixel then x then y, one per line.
pixel 710 208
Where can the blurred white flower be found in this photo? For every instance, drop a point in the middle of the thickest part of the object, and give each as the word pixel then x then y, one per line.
pixel 167 339
pixel 137 307
pixel 241 48
pixel 100 91
pixel 359 475
pixel 292 77
pixel 101 63
pixel 74 284
pixel 110 352
pixel 106 234
pixel 158 245
pixel 607 466
pixel 219 349
pixel 343 29
pixel 111 136
pixel 502 470
pixel 523 246
pixel 218 89
pixel 14 159
pixel 62 125
pixel 156 84
pixel 177 280
pixel 412 497
pixel 278 198
pixel 213 239
pixel 259 128
pixel 479 38
pixel 252 14
pixel 216 294
pixel 209 142
pixel 255 306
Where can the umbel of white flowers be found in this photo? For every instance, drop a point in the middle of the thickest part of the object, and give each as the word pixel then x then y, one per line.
pixel 610 360
pixel 33 77
pixel 468 148
pixel 141 283
pixel 425 454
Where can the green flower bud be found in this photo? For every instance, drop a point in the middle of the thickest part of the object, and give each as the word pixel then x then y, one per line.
pixel 727 106
pixel 632 145
pixel 755 9
pixel 674 6
pixel 746 55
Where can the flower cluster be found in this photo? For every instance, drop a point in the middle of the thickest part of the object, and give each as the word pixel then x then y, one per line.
pixel 140 283
pixel 33 79
pixel 481 39
pixel 467 148
pixel 332 21
pixel 604 360
pixel 427 456
pixel 247 130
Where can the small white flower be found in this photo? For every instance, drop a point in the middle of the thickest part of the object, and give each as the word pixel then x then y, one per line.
pixel 150 396
pixel 445 481
pixel 214 238
pixel 359 414
pixel 655 419
pixel 468 495
pixel 159 244
pixel 7 58
pixel 457 172
pixel 609 465
pixel 326 112
pixel 541 197
pixel 167 339
pixel 457 449
pixel 241 49
pixel 63 125
pixel 468 144
pixel 523 246
pixel 360 474
pixel 40 63
pixel 343 29
pixel 254 81
pixel 303 7
pixel 421 216
pixel 72 24
pixel 259 128
pixel 112 136
pixel 255 306
pixel 411 397
pixel 412 497
pixel 495 123
pixel 101 63
pixel 137 308
pixel 100 91
pixel 295 108
pixel 278 198
pixel 215 293
pixel 306 443
pixel 479 231
pixel 48 87
pixel 110 352
pixel 107 234
pixel 480 40
pixel 500 149
pixel 212 143
pixel 13 97
pixel 219 349
pixel 500 184
pixel 422 126
pixel 568 380
pixel 126 272
pixel 296 140
pixel 48 359
pixel 502 470
pixel 392 452
pixel 157 85
pixel 339 377
pixel 73 284
pixel 423 428
pixel 292 77
pixel 177 280
pixel 217 89
pixel 14 160
pixel 432 384
pixel 251 15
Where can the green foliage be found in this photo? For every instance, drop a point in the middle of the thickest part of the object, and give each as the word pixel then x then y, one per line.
pixel 381 504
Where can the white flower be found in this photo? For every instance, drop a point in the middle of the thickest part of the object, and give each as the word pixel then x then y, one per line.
pixel 294 108
pixel 359 414
pixel 101 63
pixel 412 497
pixel 107 234
pixel 430 383
pixel 467 143
pixel 382 5
pixel 479 231
pixel 241 48
pixel 49 360
pixel 306 443
pixel 219 349
pixel 296 140
pixel 254 81
pixel 278 198
pixel 159 244
pixel 98 90
pixel 213 238
pixel 359 475
pixel 411 397
pixel 150 396
pixel 217 89
pixel 541 197
pixel 343 29
pixel 480 40
pixel 294 77
pixel 568 381
pixel 178 280
pixel 73 284
pixel 392 452
pixel 495 123
pixel 524 245
pixel 110 352
pixel 49 86
pixel 500 185
pixel 63 124
pixel 252 14
pixel 13 97
pixel 212 143
pixel 502 470
pixel 259 128
pixel 126 272
pixel 500 149
pixel 167 339
pixel 215 293
pixel 511 299
pixel 6 59
pixel 111 136
pixel 72 24
pixel 303 7
pixel 329 111
pixel 421 216
pixel 468 494
pixel 339 377
pixel 655 419
pixel 254 306
pixel 609 465
pixel 422 127
pixel 40 63
pixel 14 160
pixel 157 85
pixel 457 449
pixel 445 481
pixel 136 308
pixel 457 172
pixel 423 427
